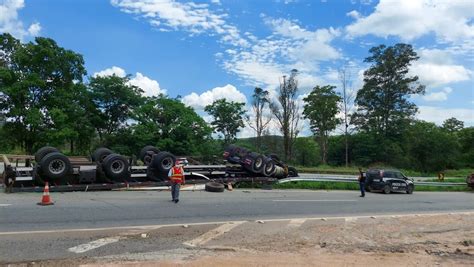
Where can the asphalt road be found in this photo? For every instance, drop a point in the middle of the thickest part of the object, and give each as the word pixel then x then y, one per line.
pixel 107 224
pixel 19 212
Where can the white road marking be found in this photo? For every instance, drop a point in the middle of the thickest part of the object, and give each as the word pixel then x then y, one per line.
pixel 94 244
pixel 314 200
pixel 295 223
pixel 152 227
pixel 206 237
pixel 5 205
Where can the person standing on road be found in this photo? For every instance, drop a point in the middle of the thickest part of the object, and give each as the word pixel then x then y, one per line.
pixel 362 177
pixel 176 176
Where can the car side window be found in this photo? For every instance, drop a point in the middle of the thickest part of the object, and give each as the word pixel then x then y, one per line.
pixel 399 175
pixel 388 175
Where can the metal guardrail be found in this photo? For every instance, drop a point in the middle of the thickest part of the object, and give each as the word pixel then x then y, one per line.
pixel 354 180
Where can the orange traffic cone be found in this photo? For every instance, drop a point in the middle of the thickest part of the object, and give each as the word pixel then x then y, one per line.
pixel 46 200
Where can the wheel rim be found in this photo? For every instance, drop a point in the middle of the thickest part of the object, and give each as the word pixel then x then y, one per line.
pixel 117 166
pixel 147 160
pixel 387 189
pixel 57 166
pixel 167 163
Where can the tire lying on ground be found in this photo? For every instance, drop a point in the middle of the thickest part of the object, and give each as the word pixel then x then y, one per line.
pixel 163 161
pixel 100 154
pixel 214 187
pixel 146 154
pixel 55 165
pixel 115 167
pixel 269 167
pixel 43 152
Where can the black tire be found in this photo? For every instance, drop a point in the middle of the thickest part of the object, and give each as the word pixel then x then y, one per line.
pixel 257 162
pixel 292 172
pixel 146 154
pixel 55 165
pixel 163 161
pixel 228 151
pixel 115 167
pixel 214 187
pixel 410 189
pixel 269 167
pixel 100 154
pixel 43 152
pixel 387 189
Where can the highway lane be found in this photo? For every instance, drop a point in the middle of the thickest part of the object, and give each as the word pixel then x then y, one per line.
pixel 19 212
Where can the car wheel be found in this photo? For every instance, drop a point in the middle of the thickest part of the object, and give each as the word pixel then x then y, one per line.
pixel 214 187
pixel 163 161
pixel 387 189
pixel 410 189
pixel 269 167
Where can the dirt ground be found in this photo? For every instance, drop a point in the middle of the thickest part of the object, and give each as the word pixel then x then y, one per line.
pixel 424 240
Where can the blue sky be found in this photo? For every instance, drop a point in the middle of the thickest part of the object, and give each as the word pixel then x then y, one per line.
pixel 206 50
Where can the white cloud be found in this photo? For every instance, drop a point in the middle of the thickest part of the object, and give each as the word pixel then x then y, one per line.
pixel 114 70
pixel 10 23
pixel 438 96
pixel 149 86
pixel 410 19
pixel 228 92
pixel 436 67
pixel 188 16
pixel 438 115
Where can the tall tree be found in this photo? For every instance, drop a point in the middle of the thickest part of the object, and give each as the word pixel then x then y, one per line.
pixel 38 82
pixel 259 102
pixel 383 102
pixel 228 118
pixel 170 125
pixel 114 101
pixel 286 111
pixel 321 108
pixel 453 125
pixel 347 101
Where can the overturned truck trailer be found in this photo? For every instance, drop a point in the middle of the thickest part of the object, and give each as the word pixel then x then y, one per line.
pixel 106 170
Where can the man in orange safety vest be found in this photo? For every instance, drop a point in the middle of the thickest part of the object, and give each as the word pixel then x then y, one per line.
pixel 176 176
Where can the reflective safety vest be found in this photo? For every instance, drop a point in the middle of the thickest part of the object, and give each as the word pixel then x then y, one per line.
pixel 177 175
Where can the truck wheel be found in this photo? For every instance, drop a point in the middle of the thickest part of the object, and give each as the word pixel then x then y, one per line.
pixel 147 153
pixel 387 189
pixel 43 152
pixel 214 187
pixel 115 167
pixel 228 151
pixel 163 161
pixel 269 167
pixel 55 165
pixel 410 189
pixel 292 172
pixel 257 162
pixel 100 154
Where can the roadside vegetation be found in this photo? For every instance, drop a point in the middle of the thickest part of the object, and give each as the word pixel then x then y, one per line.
pixel 48 98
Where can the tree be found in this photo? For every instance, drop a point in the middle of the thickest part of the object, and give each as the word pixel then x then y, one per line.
pixel 171 126
pixel 321 108
pixel 286 111
pixel 38 82
pixel 228 118
pixel 453 125
pixel 383 104
pixel 347 101
pixel 259 101
pixel 114 100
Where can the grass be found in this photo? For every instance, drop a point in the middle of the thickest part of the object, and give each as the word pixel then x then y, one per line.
pixel 354 171
pixel 355 186
pixel 448 180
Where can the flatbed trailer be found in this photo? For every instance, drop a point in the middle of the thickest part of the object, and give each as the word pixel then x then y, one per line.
pixel 84 172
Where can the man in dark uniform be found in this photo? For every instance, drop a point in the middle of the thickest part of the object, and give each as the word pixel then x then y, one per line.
pixel 362 179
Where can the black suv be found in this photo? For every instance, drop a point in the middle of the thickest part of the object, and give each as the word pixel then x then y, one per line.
pixel 388 181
